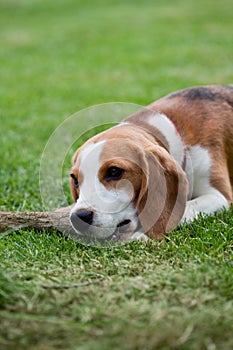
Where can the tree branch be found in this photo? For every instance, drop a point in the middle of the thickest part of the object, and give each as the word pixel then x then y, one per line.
pixel 56 220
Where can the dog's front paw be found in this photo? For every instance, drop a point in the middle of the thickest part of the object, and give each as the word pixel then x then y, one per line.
pixel 139 236
pixel 190 213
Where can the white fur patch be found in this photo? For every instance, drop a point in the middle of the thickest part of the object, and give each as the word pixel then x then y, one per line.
pixel 204 198
pixel 110 206
pixel 168 129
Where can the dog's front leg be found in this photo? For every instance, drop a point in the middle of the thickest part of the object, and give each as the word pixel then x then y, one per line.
pixel 206 204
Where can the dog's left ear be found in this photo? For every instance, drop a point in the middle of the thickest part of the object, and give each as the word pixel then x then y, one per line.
pixel 162 199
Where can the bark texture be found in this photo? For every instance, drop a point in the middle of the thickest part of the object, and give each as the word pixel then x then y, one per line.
pixel 56 220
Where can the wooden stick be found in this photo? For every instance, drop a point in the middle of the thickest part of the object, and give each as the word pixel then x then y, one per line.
pixel 56 220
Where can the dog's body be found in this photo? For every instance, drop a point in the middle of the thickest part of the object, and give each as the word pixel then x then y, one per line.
pixel 164 165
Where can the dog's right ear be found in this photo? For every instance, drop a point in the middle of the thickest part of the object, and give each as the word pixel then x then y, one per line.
pixel 74 190
pixel 74 185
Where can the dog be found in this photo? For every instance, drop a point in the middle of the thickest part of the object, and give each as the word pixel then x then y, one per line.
pixel 160 167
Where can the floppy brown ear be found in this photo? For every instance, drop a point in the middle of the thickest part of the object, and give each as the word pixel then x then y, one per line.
pixel 73 189
pixel 163 195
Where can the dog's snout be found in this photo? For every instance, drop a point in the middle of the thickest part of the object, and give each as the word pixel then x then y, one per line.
pixel 81 218
pixel 85 215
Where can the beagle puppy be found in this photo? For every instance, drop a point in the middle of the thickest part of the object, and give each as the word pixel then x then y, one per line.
pixel 160 167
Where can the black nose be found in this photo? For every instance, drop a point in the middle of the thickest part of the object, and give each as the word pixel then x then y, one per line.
pixel 85 215
pixel 81 219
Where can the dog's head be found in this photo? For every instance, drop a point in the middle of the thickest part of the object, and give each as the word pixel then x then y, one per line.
pixel 123 182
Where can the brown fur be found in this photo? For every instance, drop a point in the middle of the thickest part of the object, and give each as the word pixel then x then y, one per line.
pixel 209 123
pixel 163 194
pixel 160 185
pixel 203 116
pixel 78 175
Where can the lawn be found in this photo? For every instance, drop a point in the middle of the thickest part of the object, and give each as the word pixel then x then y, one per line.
pixel 56 58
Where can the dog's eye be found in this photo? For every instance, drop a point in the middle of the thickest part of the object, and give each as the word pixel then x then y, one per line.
pixel 76 184
pixel 113 173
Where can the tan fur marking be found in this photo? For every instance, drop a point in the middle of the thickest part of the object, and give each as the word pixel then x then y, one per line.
pixel 209 124
pixel 204 118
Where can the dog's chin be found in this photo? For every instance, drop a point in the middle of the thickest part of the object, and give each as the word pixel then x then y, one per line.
pixel 122 232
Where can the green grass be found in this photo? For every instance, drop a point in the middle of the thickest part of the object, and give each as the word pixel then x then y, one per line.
pixel 61 56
